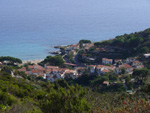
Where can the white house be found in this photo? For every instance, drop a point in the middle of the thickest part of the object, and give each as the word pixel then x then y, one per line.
pixel 127 68
pixel 101 69
pixel 136 63
pixel 147 55
pixel 107 61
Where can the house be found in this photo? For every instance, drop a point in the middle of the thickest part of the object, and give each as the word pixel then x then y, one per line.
pixel 80 70
pixel 53 76
pixel 106 83
pixel 70 73
pixel 118 60
pixel 27 72
pixel 101 69
pixel 1 63
pixel 50 67
pixel 22 69
pixel 88 46
pixel 129 60
pixel 127 68
pixel 107 61
pixel 147 55
pixel 139 66
pixel 91 68
pixel 70 64
pixel 136 63
pixel 50 78
pixel 30 67
pixel 72 47
pixel 36 72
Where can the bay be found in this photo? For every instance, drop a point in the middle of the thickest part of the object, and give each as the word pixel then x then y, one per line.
pixel 30 28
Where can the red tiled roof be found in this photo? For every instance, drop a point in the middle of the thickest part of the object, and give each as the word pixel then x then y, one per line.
pixel 70 64
pixel 105 82
pixel 30 66
pixel 52 67
pixel 136 61
pixel 118 60
pixel 81 68
pixel 105 70
pixel 107 59
pixel 125 66
pixel 70 71
pixel 103 66
pixel 37 71
pixel 22 69
pixel 92 65
pixel 27 72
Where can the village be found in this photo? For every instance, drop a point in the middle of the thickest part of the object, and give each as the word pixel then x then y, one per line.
pixel 75 66
pixel 117 66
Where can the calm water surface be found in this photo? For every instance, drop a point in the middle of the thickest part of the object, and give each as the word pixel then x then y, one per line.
pixel 30 28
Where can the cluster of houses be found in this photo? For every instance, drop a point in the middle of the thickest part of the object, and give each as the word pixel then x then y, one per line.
pixel 50 73
pixel 116 66
pixel 53 73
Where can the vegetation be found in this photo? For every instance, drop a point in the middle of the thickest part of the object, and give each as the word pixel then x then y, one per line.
pixel 84 41
pixel 39 97
pixel 53 60
pixel 88 93
pixel 11 60
pixel 25 95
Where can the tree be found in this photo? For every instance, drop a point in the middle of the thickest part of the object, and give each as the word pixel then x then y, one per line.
pixel 141 73
pixel 54 60
pixel 144 50
pixel 12 60
pixel 84 41
pixel 123 70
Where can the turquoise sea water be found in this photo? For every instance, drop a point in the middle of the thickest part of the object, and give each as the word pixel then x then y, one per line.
pixel 30 28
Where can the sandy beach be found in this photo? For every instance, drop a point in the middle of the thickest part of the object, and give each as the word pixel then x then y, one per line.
pixel 32 61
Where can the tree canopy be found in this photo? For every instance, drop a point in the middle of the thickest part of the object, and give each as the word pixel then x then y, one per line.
pixel 84 41
pixel 54 60
pixel 10 59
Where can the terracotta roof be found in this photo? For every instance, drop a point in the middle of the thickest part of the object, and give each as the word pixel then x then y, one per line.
pixel 50 67
pixel 70 71
pixel 31 66
pixel 37 71
pixel 105 82
pixel 107 59
pixel 27 72
pixel 136 61
pixel 22 69
pixel 125 66
pixel 120 76
pixel 81 68
pixel 92 65
pixel 35 67
pixel 74 45
pixel 118 60
pixel 105 70
pixel 107 67
pixel 70 64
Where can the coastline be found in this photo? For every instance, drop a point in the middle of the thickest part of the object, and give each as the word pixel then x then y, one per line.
pixel 36 61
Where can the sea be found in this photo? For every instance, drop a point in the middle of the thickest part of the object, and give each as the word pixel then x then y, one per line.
pixel 29 29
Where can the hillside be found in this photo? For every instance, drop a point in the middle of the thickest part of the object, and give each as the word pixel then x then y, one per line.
pixel 101 77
